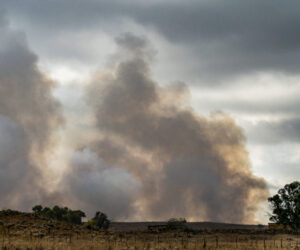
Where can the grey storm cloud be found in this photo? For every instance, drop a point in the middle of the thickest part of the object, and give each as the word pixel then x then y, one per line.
pixel 275 132
pixel 226 38
pixel 28 116
pixel 188 165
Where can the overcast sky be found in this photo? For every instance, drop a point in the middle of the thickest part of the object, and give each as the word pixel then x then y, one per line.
pixel 238 57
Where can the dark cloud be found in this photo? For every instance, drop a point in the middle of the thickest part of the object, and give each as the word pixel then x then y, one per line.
pixel 188 165
pixel 231 38
pixel 257 106
pixel 224 38
pixel 28 116
pixel 282 131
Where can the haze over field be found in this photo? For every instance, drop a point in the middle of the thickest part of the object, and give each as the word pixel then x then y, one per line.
pixel 149 110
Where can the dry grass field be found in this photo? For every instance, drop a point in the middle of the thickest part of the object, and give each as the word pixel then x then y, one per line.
pixel 26 231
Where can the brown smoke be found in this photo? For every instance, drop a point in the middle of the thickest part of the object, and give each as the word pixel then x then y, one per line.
pixel 187 165
pixel 153 157
pixel 28 116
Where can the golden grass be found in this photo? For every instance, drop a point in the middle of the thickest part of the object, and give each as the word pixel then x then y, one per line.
pixel 147 241
pixel 25 231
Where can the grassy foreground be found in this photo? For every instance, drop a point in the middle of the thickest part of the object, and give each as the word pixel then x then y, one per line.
pixel 28 231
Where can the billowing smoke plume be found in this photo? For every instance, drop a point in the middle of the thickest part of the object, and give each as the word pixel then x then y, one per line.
pixel 28 116
pixel 152 156
pixel 187 165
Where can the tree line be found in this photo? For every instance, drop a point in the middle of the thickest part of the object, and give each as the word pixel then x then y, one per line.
pixel 99 221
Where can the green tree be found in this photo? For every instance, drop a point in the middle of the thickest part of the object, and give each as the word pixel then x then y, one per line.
pixel 100 220
pixel 48 212
pixel 37 209
pixel 286 205
pixel 60 213
pixel 75 216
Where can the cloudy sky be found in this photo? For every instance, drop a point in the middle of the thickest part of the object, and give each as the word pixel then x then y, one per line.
pixel 235 58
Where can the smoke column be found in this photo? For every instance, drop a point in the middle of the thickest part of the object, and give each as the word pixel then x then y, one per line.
pixel 28 116
pixel 186 165
pixel 151 157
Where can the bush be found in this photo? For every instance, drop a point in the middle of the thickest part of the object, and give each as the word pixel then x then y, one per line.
pixel 60 213
pixel 37 209
pixel 100 221
pixel 176 224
